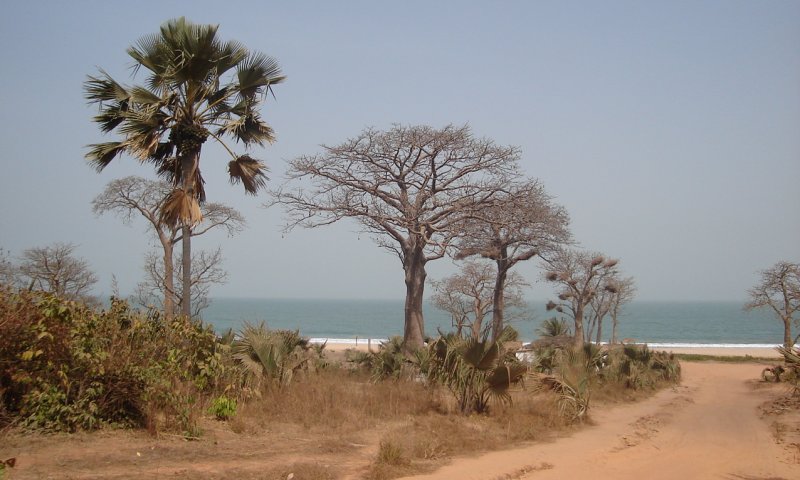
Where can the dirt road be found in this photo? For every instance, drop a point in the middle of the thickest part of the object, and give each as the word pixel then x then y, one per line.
pixel 707 428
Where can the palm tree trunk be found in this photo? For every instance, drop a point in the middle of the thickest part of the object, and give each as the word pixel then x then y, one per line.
pixel 189 164
pixel 186 271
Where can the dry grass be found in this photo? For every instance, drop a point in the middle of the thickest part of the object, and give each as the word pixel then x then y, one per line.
pixel 335 400
pixel 412 428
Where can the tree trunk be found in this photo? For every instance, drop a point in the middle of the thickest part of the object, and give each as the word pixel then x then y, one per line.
pixel 169 279
pixel 599 330
pixel 186 271
pixel 189 163
pixel 499 298
pixel 414 328
pixel 788 341
pixel 578 339
pixel 613 328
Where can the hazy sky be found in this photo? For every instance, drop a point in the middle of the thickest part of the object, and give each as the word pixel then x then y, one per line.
pixel 669 130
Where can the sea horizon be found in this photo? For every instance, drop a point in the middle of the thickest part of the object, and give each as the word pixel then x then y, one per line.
pixel 660 323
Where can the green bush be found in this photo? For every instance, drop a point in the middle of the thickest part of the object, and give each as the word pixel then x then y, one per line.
pixel 65 366
pixel 223 408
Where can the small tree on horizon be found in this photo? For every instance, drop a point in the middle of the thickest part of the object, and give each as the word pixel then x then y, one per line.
pixel 779 290
pixel 579 276
pixel 55 269
pixel 468 296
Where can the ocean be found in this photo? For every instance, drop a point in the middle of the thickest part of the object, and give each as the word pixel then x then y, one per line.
pixel 660 324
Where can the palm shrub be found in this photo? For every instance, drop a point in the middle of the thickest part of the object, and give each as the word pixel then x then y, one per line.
pixel 575 375
pixel 637 367
pixel 789 371
pixel 389 362
pixel 554 327
pixel 475 371
pixel 274 356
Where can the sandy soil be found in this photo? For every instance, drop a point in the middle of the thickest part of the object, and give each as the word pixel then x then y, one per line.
pixel 709 427
pixel 727 351
pixel 712 426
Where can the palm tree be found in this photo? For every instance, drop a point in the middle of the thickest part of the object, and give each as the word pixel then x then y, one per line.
pixel 188 96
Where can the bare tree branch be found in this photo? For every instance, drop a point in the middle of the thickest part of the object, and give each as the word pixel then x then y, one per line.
pixel 517 224
pixel 468 296
pixel 581 277
pixel 779 291
pixel 129 196
pixel 54 269
pixel 408 187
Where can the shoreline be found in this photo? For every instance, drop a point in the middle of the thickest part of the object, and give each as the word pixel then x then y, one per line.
pixel 712 349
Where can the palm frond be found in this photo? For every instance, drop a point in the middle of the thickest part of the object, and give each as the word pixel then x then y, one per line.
pixel 257 73
pixel 101 154
pixel 180 208
pixel 104 89
pixel 250 172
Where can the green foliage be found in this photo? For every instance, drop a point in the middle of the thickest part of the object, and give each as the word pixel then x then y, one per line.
pixel 475 371
pixel 65 366
pixel 554 327
pixel 575 374
pixel 388 363
pixel 223 408
pixel 274 355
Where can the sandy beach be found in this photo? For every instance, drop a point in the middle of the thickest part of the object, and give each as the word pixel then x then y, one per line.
pixel 727 351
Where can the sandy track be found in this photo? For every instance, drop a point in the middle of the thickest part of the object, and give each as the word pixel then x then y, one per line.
pixel 707 428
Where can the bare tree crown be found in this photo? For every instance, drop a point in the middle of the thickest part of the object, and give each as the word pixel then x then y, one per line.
pixel 410 184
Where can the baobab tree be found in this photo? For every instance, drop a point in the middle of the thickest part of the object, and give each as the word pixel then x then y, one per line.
pixel 469 295
pixel 779 291
pixel 55 269
pixel 518 224
pixel 133 196
pixel 579 276
pixel 197 87
pixel 408 186
pixel 625 291
pixel 613 292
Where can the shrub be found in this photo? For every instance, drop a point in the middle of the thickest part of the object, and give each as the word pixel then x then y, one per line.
pixel 65 366
pixel 475 371
pixel 223 408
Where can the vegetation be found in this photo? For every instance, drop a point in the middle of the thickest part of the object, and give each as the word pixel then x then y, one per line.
pixel 516 225
pixel 135 196
pixel 576 374
pixel 779 291
pixel 197 87
pixel 55 269
pixel 589 288
pixel 475 370
pixel 65 366
pixel 468 296
pixel 410 186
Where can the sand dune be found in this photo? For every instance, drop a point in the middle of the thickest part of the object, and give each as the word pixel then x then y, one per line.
pixel 709 427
